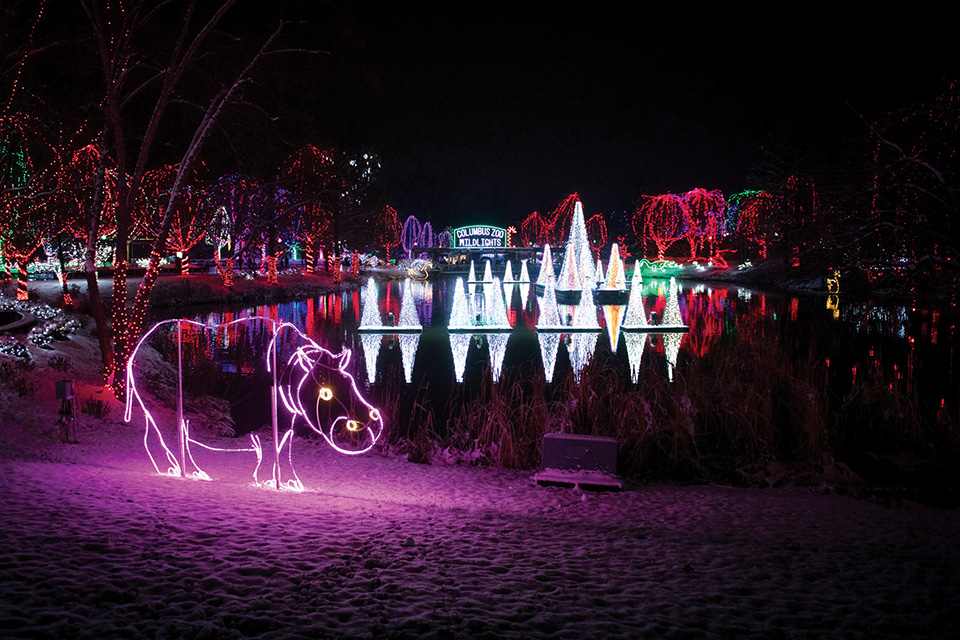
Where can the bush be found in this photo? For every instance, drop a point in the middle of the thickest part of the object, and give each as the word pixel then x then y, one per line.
pixel 95 407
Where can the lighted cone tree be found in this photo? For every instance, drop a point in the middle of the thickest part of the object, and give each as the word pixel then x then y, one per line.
pixel 370 317
pixel 580 244
pixel 546 275
pixel 636 317
pixel 616 277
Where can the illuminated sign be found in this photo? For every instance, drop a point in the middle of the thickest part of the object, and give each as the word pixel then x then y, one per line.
pixel 479 237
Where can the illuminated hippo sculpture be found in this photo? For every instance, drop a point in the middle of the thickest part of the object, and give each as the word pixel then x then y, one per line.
pixel 314 386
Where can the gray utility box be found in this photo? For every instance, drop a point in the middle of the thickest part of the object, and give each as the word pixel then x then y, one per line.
pixel 579 460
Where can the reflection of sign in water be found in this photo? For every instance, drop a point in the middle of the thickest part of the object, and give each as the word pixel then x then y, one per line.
pixel 481 237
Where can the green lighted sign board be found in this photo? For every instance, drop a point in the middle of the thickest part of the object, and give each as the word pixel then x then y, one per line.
pixel 480 237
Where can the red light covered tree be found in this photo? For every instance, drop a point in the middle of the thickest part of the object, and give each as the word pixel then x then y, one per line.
pixel 388 229
pixel 30 164
pixel 597 233
pixel 310 173
pixel 659 219
pixel 757 211
pixel 703 213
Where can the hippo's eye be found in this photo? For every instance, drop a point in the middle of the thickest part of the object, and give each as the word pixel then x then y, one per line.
pixel 326 393
pixel 374 414
pixel 353 425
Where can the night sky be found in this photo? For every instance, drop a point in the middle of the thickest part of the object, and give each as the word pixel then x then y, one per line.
pixel 489 111
pixel 484 112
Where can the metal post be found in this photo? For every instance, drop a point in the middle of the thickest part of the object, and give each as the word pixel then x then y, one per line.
pixel 180 426
pixel 273 411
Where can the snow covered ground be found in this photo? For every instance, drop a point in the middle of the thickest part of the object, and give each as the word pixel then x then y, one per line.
pixel 96 545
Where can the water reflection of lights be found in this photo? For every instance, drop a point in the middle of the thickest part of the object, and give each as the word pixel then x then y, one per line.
pixel 459 346
pixel 613 316
pixel 408 350
pixel 371 343
pixel 671 349
pixel 635 343
pixel 549 344
pixel 581 347
pixel 497 343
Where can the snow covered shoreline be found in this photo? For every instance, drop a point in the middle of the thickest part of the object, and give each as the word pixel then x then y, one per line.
pixel 97 545
pixel 376 547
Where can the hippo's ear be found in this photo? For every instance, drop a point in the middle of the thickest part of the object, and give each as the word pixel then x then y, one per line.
pixel 343 359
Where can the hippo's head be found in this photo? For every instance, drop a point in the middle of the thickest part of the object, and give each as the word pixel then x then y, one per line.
pixel 320 389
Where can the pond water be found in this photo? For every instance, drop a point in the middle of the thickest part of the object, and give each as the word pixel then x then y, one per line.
pixel 912 349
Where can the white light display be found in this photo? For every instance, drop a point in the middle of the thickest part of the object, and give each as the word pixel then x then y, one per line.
pixel 635 343
pixel 408 312
pixel 598 275
pixel 671 311
pixel 508 273
pixel 671 348
pixel 459 346
pixel 570 279
pixel 371 307
pixel 472 277
pixel 546 268
pixel 549 344
pixel 408 349
pixel 371 343
pixel 585 316
pixel 496 317
pixel 524 293
pixel 460 313
pixel 636 317
pixel 549 317
pixel 580 243
pixel 524 272
pixel 487 272
pixel 581 348
pixel 497 343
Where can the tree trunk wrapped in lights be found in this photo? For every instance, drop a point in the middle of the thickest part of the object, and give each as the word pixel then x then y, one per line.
pixel 117 32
